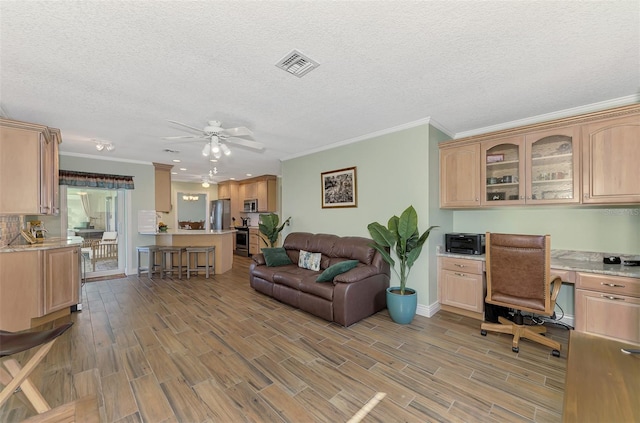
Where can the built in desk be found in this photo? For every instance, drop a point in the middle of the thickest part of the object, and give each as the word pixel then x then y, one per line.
pixel 602 383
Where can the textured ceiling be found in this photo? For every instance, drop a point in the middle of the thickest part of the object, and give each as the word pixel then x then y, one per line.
pixel 117 71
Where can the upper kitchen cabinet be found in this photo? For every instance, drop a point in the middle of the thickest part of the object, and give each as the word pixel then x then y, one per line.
pixel 28 168
pixel 553 166
pixel 163 187
pixel 460 176
pixel 611 161
pixel 266 194
pixel 503 171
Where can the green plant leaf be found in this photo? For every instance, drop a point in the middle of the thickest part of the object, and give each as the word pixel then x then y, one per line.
pixel 408 223
pixel 381 235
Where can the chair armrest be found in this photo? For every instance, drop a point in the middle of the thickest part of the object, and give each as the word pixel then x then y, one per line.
pixel 356 274
pixel 259 259
pixel 557 284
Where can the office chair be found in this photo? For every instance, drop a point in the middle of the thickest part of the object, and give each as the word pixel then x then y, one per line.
pixel 12 343
pixel 518 277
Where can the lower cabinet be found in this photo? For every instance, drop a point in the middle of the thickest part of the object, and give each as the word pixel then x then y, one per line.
pixel 61 278
pixel 461 286
pixel 34 284
pixel 608 306
pixel 254 241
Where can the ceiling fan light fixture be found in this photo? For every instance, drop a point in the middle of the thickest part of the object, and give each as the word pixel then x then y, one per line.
pixel 217 154
pixel 110 147
pixel 99 146
pixel 205 184
pixel 225 149
pixel 206 150
pixel 215 148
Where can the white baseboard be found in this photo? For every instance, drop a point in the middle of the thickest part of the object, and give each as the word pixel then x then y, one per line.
pixel 429 310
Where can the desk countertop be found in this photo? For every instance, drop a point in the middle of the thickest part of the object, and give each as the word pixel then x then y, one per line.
pixel 564 260
pixel 602 383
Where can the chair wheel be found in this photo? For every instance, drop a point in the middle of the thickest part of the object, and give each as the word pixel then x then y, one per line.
pixel 483 332
pixel 555 353
pixel 515 349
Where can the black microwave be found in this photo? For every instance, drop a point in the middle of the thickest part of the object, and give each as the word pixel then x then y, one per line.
pixel 459 243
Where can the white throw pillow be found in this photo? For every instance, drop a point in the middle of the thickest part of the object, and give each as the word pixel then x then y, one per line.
pixel 309 260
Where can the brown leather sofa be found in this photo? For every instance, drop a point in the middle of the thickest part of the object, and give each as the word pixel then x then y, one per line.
pixel 352 296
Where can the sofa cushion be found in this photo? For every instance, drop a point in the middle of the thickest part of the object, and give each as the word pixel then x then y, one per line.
pixel 336 269
pixel 308 260
pixel 292 275
pixel 276 256
pixel 322 290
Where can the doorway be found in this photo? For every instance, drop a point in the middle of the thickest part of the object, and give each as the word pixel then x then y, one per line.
pixel 95 215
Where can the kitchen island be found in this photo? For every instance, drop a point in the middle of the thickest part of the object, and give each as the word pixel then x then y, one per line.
pixel 221 239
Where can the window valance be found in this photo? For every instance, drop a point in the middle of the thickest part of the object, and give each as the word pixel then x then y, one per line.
pixel 96 180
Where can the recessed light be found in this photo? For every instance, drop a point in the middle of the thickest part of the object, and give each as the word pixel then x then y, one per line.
pixel 233 179
pixel 183 168
pixel 174 173
pixel 214 160
pixel 176 160
pixel 248 174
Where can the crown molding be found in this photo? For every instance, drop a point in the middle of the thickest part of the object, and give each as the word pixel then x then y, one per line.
pixel 109 159
pixel 575 111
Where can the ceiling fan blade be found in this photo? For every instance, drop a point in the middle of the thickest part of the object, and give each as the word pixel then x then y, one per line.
pixel 181 137
pixel 240 131
pixel 246 143
pixel 186 126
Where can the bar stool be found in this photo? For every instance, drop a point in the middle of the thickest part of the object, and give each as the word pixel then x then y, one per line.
pixel 153 264
pixel 171 260
pixel 209 266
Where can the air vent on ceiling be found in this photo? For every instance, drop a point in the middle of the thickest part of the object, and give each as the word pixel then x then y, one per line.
pixel 297 64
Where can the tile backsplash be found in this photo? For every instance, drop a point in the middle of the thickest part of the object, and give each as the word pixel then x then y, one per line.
pixel 9 228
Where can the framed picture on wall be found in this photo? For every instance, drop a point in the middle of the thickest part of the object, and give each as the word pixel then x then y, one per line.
pixel 339 188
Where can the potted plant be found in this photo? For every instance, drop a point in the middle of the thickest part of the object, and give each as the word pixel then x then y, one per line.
pixel 401 237
pixel 162 227
pixel 268 225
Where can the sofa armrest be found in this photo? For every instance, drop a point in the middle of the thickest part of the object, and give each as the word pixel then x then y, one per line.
pixel 258 259
pixel 356 274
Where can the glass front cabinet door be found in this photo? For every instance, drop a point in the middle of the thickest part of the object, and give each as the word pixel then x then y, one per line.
pixel 503 172
pixel 552 159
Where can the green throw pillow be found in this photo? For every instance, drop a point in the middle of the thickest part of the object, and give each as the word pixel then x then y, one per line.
pixel 276 256
pixel 338 268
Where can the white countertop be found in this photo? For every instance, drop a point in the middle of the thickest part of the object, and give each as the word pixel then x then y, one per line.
pixel 46 244
pixel 191 232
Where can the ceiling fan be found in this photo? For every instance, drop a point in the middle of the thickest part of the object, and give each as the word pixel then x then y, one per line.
pixel 219 137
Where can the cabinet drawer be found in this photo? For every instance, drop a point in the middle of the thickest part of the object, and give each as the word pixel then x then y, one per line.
pixel 608 284
pixel 464 290
pixel 461 265
pixel 613 316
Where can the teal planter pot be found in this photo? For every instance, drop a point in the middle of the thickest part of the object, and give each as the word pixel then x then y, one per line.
pixel 402 308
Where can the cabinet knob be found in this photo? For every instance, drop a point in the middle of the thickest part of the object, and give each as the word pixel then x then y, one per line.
pixel 459 274
pixel 459 265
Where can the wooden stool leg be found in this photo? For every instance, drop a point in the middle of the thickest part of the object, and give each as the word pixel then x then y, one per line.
pixel 21 378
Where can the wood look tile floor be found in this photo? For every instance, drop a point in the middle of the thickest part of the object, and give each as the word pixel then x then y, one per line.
pixel 214 350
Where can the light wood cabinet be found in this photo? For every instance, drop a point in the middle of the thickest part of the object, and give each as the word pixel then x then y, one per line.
pixel 608 306
pixel 461 286
pixel 36 285
pixel 254 241
pixel 249 191
pixel 545 163
pixel 460 176
pixel 28 168
pixel 163 187
pixel 229 191
pixel 61 278
pixel 611 160
pixel 538 168
pixel 266 195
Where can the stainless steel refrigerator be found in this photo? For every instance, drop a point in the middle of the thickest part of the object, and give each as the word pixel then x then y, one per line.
pixel 220 214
